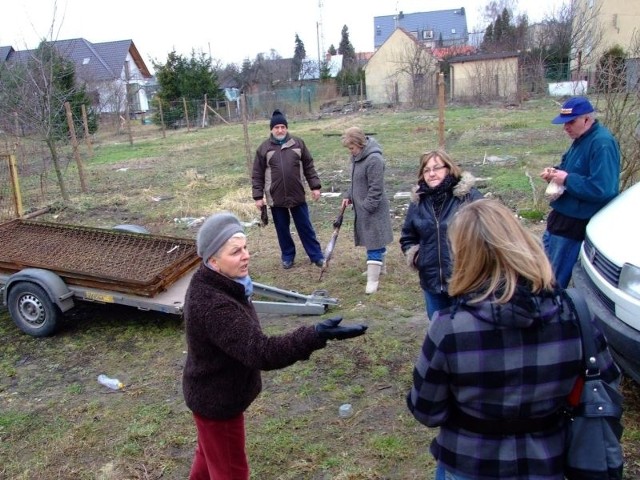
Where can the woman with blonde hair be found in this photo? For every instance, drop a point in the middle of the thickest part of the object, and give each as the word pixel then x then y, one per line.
pixel 441 190
pixel 372 221
pixel 495 369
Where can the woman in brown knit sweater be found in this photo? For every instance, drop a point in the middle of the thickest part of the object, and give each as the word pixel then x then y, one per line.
pixel 227 348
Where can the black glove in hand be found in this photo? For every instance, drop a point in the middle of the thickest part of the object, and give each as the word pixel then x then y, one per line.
pixel 264 217
pixel 330 329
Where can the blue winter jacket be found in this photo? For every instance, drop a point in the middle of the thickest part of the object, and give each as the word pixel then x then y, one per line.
pixel 593 165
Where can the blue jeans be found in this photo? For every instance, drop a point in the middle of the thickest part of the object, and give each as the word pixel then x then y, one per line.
pixel 436 301
pixel 282 221
pixel 442 474
pixel 563 254
pixel 376 255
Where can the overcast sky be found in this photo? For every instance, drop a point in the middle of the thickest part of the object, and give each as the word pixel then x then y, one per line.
pixel 230 36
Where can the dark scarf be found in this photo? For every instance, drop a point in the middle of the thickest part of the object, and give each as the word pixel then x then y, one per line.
pixel 438 194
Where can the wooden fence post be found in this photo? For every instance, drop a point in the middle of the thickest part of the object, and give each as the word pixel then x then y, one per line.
pixel 186 113
pixel 15 185
pixel 245 129
pixel 162 125
pixel 74 143
pixel 441 140
pixel 85 123
pixel 204 110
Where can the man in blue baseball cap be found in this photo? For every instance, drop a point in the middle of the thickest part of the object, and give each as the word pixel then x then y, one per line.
pixel 588 177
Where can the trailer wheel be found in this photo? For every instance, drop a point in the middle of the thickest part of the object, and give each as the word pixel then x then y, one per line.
pixel 32 310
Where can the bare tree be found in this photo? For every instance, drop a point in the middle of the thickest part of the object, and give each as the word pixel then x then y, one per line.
pixel 416 70
pixel 586 37
pixel 619 106
pixel 613 81
pixel 494 8
pixel 34 89
pixel 29 92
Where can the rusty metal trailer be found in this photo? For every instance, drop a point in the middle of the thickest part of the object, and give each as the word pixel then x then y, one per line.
pixel 46 267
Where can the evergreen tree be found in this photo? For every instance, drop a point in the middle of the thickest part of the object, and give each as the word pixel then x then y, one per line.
pixel 502 35
pixel 332 50
pixel 185 78
pixel 347 51
pixel 488 36
pixel 498 30
pixel 325 70
pixel 611 75
pixel 507 30
pixel 65 89
pixel 299 55
pixel 245 74
pixel 191 78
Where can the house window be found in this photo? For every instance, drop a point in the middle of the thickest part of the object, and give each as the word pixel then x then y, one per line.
pixel 378 30
pixel 427 34
pixel 86 60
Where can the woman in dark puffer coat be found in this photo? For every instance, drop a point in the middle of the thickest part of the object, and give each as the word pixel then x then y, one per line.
pixel 442 189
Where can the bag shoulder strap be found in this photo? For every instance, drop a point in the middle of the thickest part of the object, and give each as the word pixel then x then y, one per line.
pixel 584 316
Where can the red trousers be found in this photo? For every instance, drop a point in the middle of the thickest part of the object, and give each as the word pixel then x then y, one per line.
pixel 220 452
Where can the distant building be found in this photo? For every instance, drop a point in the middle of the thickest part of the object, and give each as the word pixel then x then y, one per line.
pixel 600 25
pixel 441 28
pixel 402 71
pixel 111 71
pixel 311 71
pixel 485 76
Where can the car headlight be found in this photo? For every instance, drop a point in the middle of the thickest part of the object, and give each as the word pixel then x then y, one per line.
pixel 629 281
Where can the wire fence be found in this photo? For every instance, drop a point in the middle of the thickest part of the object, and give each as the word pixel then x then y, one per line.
pixel 39 183
pixel 36 180
pixel 188 113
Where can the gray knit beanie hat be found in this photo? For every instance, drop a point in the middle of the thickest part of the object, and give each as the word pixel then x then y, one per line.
pixel 214 233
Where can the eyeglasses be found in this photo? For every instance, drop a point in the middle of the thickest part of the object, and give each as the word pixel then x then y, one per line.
pixel 435 169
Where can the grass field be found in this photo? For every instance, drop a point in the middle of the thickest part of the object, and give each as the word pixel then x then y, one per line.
pixel 57 422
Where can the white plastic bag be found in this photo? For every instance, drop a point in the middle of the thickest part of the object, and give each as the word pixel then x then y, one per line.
pixel 554 191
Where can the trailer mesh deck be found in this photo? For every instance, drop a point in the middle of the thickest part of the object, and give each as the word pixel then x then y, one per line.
pixel 134 263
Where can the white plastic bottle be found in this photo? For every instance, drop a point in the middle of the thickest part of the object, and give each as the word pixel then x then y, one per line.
pixel 112 383
pixel 345 410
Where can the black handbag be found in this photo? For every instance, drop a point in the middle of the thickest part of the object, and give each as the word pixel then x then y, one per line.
pixel 593 449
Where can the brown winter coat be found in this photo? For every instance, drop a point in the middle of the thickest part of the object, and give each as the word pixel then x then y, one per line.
pixel 226 349
pixel 279 171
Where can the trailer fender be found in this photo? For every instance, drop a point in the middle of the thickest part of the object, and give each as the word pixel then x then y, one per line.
pixel 131 228
pixel 53 285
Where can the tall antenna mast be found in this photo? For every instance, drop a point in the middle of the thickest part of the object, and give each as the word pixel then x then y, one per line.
pixel 321 50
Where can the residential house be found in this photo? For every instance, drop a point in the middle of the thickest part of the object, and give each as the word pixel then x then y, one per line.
pixel 401 71
pixel 484 76
pixel 441 28
pixel 111 71
pixel 598 26
pixel 310 70
pixel 5 52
